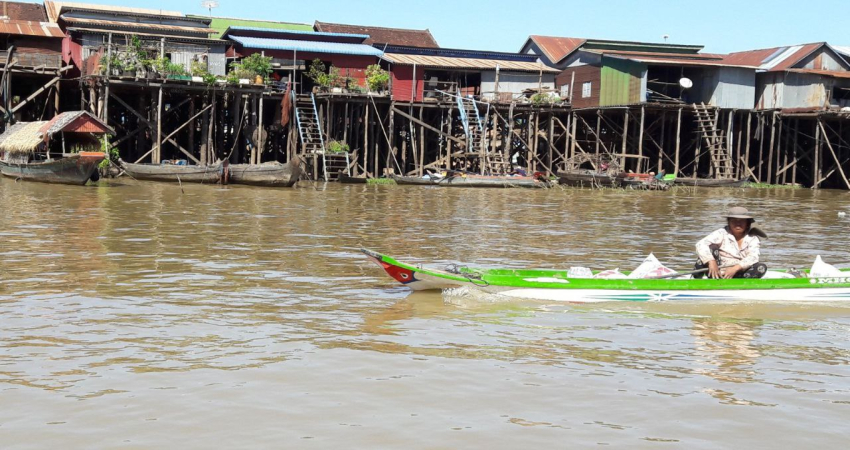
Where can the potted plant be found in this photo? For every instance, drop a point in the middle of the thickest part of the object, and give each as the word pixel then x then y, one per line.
pixel 254 68
pixel 377 78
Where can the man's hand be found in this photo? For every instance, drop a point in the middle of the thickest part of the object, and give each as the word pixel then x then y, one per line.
pixel 713 271
pixel 730 272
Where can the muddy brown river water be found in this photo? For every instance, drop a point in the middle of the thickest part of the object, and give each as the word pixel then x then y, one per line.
pixel 136 315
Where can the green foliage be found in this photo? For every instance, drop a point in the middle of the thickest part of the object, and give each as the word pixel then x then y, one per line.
pixel 377 78
pixel 333 77
pixel 111 153
pixel 337 147
pixel 771 186
pixel 232 78
pixel 380 181
pixel 540 99
pixel 165 67
pixel 199 69
pixel 114 63
pixel 256 64
pixel 317 73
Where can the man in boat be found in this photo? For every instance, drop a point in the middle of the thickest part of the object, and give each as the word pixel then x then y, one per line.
pixel 732 251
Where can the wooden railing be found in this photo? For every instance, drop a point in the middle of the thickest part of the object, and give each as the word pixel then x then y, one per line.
pixel 436 89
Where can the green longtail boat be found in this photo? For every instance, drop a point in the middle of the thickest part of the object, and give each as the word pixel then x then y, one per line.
pixel 556 285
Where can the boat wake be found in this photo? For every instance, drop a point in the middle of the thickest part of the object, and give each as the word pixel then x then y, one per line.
pixel 469 297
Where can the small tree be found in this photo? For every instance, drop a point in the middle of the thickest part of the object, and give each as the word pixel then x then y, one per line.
pixel 318 73
pixel 256 64
pixel 377 78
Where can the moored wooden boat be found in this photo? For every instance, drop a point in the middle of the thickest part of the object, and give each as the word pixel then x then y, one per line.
pixel 589 178
pixel 556 285
pixel 348 179
pixel 174 173
pixel 270 174
pixel 74 169
pixel 708 182
pixel 645 182
pixel 62 150
pixel 477 181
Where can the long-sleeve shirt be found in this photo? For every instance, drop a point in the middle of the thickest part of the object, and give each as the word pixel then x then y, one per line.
pixel 730 254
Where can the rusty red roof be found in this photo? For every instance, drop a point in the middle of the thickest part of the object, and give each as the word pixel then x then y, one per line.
pixel 661 58
pixel 95 23
pixel 828 73
pixel 773 59
pixel 557 48
pixel 382 35
pixel 23 11
pixel 30 28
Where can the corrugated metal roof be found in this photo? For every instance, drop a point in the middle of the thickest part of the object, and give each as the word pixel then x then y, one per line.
pixel 557 48
pixel 168 37
pixel 311 33
pixel 843 49
pixel 382 35
pixel 28 28
pixel 827 73
pixel 135 25
pixel 773 59
pixel 307 46
pixel 710 60
pixel 466 63
pixel 24 11
pixel 55 9
pixel 61 121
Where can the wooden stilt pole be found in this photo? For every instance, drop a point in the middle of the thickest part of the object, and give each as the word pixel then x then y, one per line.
pixel 678 141
pixel 625 146
pixel 421 143
pixel 205 123
pixel 261 131
pixel 816 166
pixel 771 148
pixel 157 154
pixel 832 152
pixel 661 151
pixel 598 130
pixel 366 143
pixel 761 145
pixel 796 137
pixel 192 125
pixel 747 147
pixel 640 141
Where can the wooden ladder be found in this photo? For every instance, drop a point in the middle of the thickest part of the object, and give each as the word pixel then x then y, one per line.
pixel 472 123
pixel 715 140
pixel 313 139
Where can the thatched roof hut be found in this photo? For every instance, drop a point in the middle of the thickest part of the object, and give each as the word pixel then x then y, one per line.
pixel 24 138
